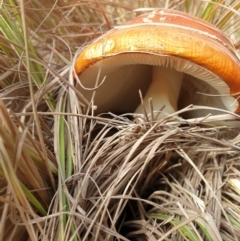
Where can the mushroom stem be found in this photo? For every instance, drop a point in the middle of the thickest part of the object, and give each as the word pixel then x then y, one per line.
pixel 164 90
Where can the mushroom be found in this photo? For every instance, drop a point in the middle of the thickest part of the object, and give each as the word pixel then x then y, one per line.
pixel 159 53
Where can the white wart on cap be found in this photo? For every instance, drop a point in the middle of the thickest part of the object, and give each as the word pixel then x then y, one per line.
pixel 156 53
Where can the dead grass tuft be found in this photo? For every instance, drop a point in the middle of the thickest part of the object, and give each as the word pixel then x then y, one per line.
pixel 66 174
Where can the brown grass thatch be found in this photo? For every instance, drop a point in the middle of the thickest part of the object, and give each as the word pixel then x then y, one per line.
pixel 69 175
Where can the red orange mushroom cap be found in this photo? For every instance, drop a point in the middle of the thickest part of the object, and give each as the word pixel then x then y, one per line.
pixel 166 37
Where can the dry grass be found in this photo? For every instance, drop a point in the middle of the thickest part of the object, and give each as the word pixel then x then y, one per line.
pixel 69 175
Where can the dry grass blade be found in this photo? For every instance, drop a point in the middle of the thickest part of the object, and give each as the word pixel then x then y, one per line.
pixel 21 158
